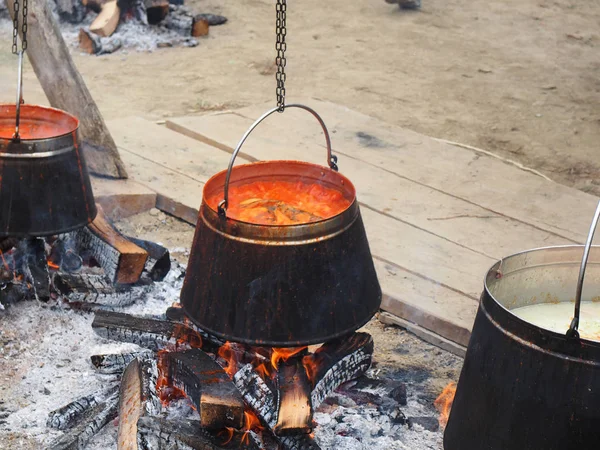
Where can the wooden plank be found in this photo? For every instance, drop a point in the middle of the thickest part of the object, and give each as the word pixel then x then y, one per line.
pixel 122 198
pixel 428 209
pixel 475 177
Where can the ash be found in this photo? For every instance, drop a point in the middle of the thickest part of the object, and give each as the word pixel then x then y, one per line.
pixel 44 361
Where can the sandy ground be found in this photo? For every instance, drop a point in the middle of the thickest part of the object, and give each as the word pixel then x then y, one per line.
pixel 516 77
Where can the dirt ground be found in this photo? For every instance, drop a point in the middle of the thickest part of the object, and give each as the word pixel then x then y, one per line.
pixel 516 77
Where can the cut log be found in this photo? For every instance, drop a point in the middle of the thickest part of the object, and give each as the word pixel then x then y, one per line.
pixel 89 42
pixel 211 19
pixel 121 259
pixel 116 363
pixel 78 437
pixel 295 412
pixel 158 263
pixel 70 415
pixel 92 283
pixel 156 10
pixel 138 398
pixel 206 384
pixel 200 27
pixel 159 434
pixel 65 89
pixel 108 20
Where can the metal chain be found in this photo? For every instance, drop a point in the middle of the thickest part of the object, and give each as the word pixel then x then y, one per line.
pixel 280 46
pixel 15 48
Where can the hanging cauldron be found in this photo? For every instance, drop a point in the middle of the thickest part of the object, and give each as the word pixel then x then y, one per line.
pixel 44 183
pixel 280 285
pixel 523 387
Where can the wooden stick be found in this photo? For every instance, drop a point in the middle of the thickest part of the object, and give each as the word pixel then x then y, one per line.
pixel 295 410
pixel 65 89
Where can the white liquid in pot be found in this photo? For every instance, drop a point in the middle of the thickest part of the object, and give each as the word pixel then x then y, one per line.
pixel 557 317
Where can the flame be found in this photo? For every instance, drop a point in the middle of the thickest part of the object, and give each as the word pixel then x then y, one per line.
pixel 251 423
pixel 165 390
pixel 284 354
pixel 227 435
pixel 311 367
pixel 185 335
pixel 264 371
pixel 227 352
pixel 444 403
pixel 53 265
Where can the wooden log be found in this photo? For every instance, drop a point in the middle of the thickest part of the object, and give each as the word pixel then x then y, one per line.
pixel 107 21
pixel 89 42
pixel 159 434
pixel 116 363
pixel 65 89
pixel 217 400
pixel 121 259
pixel 93 283
pixel 156 10
pixel 177 315
pixel 211 19
pixel 158 263
pixel 78 437
pixel 70 415
pixel 295 412
pixel 138 397
pixel 200 27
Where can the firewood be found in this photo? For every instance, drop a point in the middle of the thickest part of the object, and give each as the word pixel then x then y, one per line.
pixel 177 315
pixel 65 89
pixel 295 410
pixel 64 253
pixel 212 19
pixel 70 415
pixel 159 434
pixel 122 260
pixel 158 263
pixel 93 283
pixel 156 10
pixel 78 437
pixel 117 362
pixel 88 42
pixel 207 385
pixel 199 27
pixel 138 398
pixel 107 21
pixel 8 243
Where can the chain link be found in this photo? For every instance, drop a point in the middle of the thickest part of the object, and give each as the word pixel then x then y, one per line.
pixel 15 48
pixel 281 47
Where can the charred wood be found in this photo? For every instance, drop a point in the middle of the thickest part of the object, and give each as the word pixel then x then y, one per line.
pixel 96 45
pixel 34 266
pixel 78 437
pixel 211 342
pixel 64 253
pixel 72 11
pixel 156 10
pixel 206 384
pixel 116 363
pixel 83 282
pixel 7 243
pixel 212 19
pixel 294 397
pixel 69 415
pixel 161 434
pixel 158 263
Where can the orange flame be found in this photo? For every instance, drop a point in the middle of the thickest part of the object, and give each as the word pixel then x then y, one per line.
pixel 263 371
pixel 228 354
pixel 227 435
pixel 311 367
pixel 53 265
pixel 185 335
pixel 283 354
pixel 165 390
pixel 444 403
pixel 251 423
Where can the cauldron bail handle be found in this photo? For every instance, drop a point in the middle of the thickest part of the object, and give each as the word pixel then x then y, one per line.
pixel 331 159
pixel 573 332
pixel 16 136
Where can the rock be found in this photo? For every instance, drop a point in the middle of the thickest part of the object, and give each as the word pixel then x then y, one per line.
pixel 399 394
pixel 154 212
pixel 47 391
pixel 428 423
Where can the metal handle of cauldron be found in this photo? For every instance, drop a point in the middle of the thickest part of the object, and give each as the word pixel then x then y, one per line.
pixel 573 332
pixel 331 159
pixel 16 136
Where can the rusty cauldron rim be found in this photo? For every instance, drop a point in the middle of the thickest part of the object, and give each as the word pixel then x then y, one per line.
pixel 267 234
pixel 580 349
pixel 41 147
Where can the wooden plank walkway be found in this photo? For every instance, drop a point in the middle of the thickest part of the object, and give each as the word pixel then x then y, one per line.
pixel 437 216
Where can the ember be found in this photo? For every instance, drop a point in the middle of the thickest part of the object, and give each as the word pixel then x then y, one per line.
pixel 444 403
pixel 282 202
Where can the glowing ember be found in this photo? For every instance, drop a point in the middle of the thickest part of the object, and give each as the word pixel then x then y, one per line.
pixel 283 354
pixel 444 403
pixel 165 390
pixel 282 202
pixel 229 355
pixel 53 265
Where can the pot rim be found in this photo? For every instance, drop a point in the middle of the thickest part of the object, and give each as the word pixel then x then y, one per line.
pixel 492 272
pixel 26 144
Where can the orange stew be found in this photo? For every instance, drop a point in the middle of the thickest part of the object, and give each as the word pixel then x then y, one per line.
pixel 282 202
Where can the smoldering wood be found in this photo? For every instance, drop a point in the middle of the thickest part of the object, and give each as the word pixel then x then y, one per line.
pixel 78 437
pixel 116 363
pixel 156 10
pixel 65 89
pixel 64 253
pixel 158 263
pixel 70 415
pixel 295 411
pixel 177 315
pixel 121 259
pixel 157 434
pixel 83 282
pixel 206 384
pixel 212 19
pixel 96 45
pixel 34 266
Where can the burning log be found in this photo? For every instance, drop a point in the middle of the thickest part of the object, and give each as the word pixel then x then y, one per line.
pixel 78 437
pixel 338 362
pixel 177 315
pixel 95 45
pixel 216 398
pixel 295 410
pixel 158 263
pixel 157 434
pixel 122 260
pixel 117 363
pixel 70 415
pixel 92 283
pixel 138 397
pixel 107 20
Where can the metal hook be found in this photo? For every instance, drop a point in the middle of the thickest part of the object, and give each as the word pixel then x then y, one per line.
pixel 573 332
pixel 16 136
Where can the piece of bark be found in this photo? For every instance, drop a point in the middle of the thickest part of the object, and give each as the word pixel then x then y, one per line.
pixel 295 412
pixel 70 415
pixel 200 27
pixel 65 89
pixel 217 400
pixel 107 21
pixel 121 259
